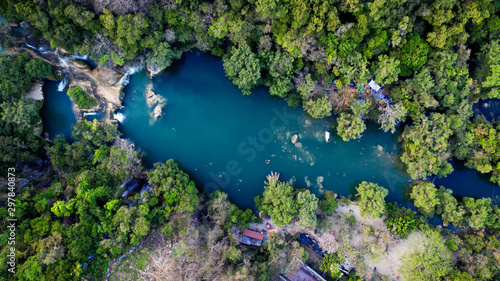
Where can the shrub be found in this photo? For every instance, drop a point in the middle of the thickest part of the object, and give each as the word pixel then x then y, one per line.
pixel 80 98
pixel 400 220
pixel 451 245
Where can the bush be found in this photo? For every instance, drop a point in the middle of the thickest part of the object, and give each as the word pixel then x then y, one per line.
pixel 328 204
pixel 351 219
pixel 82 100
pixel 400 220
pixel 451 245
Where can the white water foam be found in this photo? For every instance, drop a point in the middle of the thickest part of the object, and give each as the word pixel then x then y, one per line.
pixel 78 56
pixel 119 116
pixel 131 70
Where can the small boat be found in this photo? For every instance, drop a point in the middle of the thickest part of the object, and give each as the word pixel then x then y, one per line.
pixel 327 136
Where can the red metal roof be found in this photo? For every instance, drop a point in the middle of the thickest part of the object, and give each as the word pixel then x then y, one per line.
pixel 253 234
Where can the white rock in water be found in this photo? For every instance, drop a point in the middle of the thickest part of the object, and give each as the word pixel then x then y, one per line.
pixel 158 111
pixel 298 145
pixel 294 138
pixel 119 116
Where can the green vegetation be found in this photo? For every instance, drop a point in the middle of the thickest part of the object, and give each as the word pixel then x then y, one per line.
pixel 435 60
pixel 284 204
pixel 328 204
pixel 371 199
pixel 331 265
pixel 80 98
pixel 430 260
pixel 425 198
pixel 20 125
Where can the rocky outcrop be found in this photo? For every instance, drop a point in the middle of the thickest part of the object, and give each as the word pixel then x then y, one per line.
pixel 152 70
pixel 155 101
pixel 157 112
pixel 35 92
pixel 106 76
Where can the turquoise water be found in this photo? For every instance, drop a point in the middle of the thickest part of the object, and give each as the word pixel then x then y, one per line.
pixel 213 130
pixel 228 141
pixel 57 113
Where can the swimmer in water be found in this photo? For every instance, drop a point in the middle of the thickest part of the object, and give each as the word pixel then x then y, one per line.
pixel 220 176
pixel 210 163
pixel 196 170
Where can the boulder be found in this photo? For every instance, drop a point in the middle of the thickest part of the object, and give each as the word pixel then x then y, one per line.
pixel 294 138
pixel 158 111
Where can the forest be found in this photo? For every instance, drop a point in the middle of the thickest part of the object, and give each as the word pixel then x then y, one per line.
pixel 434 60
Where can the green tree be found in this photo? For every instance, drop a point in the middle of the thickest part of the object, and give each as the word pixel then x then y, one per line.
pixel 477 211
pixel 351 125
pixel 386 70
pixel 426 146
pixel 61 208
pixel 280 68
pixel 162 56
pixel 306 86
pixel 80 98
pixel 243 68
pixel 328 204
pixel 331 264
pixel 307 205
pixel 425 197
pixel 414 54
pixel 448 207
pixel 429 260
pixel 371 199
pixel 278 202
pixel 318 108
pixel 129 31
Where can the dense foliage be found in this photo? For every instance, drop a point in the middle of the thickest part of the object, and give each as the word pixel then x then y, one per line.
pixel 80 98
pixel 434 60
pixel 20 125
pixel 371 199
pixel 284 204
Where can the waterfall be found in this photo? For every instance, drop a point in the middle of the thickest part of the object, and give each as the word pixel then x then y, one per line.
pixel 119 116
pixel 130 70
pixel 62 84
pixel 78 56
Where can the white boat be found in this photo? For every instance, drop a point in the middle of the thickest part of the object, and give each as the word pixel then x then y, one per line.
pixel 327 136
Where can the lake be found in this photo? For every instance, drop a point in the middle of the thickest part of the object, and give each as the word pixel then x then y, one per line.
pixel 229 141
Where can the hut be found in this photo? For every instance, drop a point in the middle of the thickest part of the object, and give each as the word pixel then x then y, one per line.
pixel 252 238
